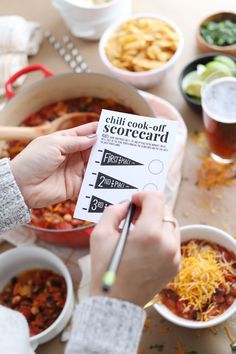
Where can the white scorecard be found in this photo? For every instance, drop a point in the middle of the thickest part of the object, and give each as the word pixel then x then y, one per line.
pixel 132 153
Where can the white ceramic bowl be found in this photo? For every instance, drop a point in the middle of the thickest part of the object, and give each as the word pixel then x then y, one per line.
pixel 20 259
pixel 212 234
pixel 143 79
pixel 90 21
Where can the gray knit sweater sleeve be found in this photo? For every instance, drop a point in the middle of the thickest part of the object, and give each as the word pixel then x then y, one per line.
pixel 13 210
pixel 103 325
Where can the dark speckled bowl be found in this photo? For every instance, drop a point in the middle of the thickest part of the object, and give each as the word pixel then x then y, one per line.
pixel 193 102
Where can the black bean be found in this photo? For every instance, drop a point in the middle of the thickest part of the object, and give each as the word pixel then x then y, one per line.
pixel 14 280
pixel 56 282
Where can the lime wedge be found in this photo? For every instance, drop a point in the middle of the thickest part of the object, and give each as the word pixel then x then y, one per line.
pixel 189 78
pixel 192 84
pixel 226 61
pixel 217 66
pixel 194 89
pixel 206 73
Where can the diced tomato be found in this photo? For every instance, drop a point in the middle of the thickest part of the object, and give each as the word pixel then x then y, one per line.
pixel 180 306
pixel 26 311
pixel 63 225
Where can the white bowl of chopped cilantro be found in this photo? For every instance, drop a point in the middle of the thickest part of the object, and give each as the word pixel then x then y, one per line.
pixel 218 33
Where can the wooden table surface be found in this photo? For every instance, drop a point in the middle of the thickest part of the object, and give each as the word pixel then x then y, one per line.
pixel 194 205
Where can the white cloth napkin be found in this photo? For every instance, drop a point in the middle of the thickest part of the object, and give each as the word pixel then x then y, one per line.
pixel 19 39
pixel 14 333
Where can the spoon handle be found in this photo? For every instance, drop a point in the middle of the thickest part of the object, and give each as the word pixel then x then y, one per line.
pixel 18 133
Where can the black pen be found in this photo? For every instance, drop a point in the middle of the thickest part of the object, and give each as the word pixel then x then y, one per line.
pixel 110 275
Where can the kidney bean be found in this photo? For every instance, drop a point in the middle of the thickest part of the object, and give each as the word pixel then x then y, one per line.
pixel 63 225
pixel 214 312
pixel 169 303
pixel 219 299
pixel 233 289
pixel 170 294
pixel 220 291
pixel 55 222
pixel 180 306
pixel 75 222
pixel 226 288
pixel 222 308
pixel 229 300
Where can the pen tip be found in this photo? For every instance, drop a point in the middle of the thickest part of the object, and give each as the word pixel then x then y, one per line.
pixel 108 280
pixel 105 288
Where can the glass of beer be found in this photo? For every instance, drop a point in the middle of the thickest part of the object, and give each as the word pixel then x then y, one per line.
pixel 219 116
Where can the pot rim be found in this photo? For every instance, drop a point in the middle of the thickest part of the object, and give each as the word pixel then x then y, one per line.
pixel 22 93
pixel 54 231
pixel 25 91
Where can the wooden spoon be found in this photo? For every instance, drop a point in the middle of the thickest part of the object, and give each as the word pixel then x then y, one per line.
pixel 69 120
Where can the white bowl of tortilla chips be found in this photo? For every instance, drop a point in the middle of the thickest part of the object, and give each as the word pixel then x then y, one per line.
pixel 141 48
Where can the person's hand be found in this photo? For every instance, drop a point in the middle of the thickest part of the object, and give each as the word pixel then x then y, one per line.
pixel 151 256
pixel 51 168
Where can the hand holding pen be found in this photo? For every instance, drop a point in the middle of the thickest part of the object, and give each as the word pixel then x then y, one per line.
pixel 151 254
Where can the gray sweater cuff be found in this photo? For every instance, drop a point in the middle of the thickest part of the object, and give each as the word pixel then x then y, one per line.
pixel 14 211
pixel 106 325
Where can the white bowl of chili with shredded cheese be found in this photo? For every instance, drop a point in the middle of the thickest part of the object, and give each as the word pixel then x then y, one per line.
pixel 204 291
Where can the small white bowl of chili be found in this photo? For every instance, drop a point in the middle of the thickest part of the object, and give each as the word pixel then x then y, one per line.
pixel 220 248
pixel 30 274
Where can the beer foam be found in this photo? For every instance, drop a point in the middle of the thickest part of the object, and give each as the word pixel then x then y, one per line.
pixel 219 100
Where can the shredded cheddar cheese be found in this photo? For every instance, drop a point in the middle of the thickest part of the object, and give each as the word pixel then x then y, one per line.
pixel 229 334
pixel 201 273
pixel 180 348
